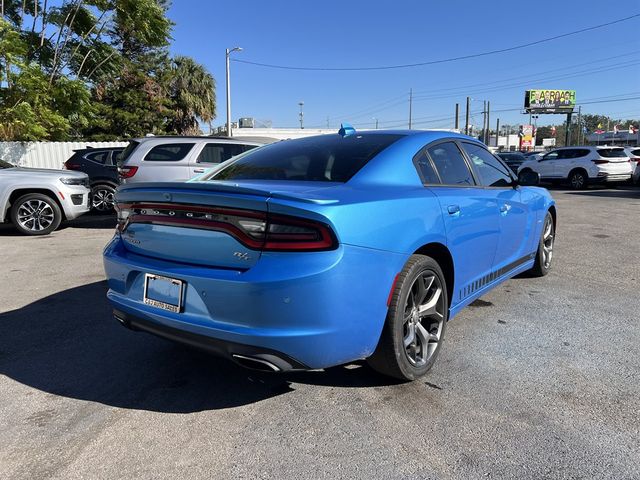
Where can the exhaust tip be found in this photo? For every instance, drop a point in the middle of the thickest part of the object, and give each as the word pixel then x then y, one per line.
pixel 255 363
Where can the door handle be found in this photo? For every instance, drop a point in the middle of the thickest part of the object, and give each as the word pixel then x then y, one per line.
pixel 504 209
pixel 454 210
pixel 198 170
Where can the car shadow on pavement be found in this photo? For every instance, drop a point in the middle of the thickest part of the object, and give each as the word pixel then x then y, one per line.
pixel 87 221
pixel 92 220
pixel 68 344
pixel 631 192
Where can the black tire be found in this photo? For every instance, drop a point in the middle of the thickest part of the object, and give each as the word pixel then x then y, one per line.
pixel 35 214
pixel 544 254
pixel 578 179
pixel 102 197
pixel 392 356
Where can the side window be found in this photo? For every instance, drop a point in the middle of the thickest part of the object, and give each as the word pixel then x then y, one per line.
pixel 425 168
pixel 219 152
pixel 169 152
pixel 98 157
pixel 492 173
pixel 581 152
pixel 115 154
pixel 567 154
pixel 551 156
pixel 450 164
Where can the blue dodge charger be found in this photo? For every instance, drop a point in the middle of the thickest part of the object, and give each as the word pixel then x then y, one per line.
pixel 316 252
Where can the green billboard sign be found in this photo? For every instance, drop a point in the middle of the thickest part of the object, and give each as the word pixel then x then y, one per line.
pixel 550 101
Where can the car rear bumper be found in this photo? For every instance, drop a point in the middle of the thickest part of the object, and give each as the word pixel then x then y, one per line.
pixel 246 355
pixel 613 177
pixel 309 310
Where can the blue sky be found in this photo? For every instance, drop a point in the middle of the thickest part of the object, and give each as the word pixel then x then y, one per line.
pixel 600 65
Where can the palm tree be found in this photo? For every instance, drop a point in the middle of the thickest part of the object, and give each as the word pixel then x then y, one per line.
pixel 192 95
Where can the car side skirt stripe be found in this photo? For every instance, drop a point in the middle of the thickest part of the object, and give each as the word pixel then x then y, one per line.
pixel 494 275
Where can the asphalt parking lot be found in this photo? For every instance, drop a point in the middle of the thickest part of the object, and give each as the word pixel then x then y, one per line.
pixel 539 379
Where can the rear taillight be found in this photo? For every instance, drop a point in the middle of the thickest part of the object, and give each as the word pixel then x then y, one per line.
pixel 600 162
pixel 69 165
pixel 254 229
pixel 127 172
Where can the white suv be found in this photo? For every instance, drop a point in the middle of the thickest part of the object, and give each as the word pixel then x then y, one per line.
pixel 580 166
pixel 36 200
pixel 174 159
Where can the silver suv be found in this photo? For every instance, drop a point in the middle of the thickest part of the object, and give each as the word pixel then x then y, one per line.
pixel 37 200
pixel 174 159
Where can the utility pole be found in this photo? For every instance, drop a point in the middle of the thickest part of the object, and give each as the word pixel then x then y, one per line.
pixel 580 129
pixel 457 123
pixel 484 119
pixel 497 131
pixel 488 137
pixel 567 138
pixel 376 120
pixel 301 114
pixel 410 105
pixel 466 116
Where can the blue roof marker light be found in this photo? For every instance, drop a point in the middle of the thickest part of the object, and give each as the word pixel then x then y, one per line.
pixel 346 129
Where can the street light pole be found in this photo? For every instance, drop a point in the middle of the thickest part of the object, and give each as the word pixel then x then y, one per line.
pixel 228 52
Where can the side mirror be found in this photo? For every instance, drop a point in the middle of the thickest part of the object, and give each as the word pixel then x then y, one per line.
pixel 529 178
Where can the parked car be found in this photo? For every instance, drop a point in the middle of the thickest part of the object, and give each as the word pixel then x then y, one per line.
pixel 512 159
pixel 163 159
pixel 36 200
pixel 580 166
pixel 100 164
pixel 532 155
pixel 323 250
pixel 634 157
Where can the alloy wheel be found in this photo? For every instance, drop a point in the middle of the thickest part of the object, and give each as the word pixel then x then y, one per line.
pixel 548 237
pixel 423 318
pixel 577 180
pixel 35 215
pixel 102 199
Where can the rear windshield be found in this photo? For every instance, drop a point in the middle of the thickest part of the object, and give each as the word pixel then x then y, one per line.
pixel 612 152
pixel 126 153
pixel 328 158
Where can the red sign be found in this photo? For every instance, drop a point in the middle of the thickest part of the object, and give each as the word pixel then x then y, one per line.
pixel 526 137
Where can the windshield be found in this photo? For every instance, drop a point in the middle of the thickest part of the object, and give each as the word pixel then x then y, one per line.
pixel 4 164
pixel 327 158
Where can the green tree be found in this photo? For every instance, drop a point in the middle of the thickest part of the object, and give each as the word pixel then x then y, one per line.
pixel 191 95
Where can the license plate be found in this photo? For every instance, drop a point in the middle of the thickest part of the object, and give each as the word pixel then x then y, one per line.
pixel 163 292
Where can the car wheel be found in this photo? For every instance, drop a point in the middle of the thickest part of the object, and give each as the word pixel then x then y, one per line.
pixel 35 214
pixel 544 255
pixel 416 321
pixel 102 198
pixel 578 179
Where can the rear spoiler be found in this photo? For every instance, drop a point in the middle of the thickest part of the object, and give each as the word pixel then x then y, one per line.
pixel 129 190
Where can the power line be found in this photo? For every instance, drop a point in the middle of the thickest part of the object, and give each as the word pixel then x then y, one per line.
pixel 444 60
pixel 527 76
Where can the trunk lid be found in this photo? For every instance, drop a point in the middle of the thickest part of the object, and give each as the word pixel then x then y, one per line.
pixel 202 223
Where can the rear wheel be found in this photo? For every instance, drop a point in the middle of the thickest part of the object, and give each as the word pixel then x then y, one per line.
pixel 35 214
pixel 544 255
pixel 102 197
pixel 416 321
pixel 578 179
